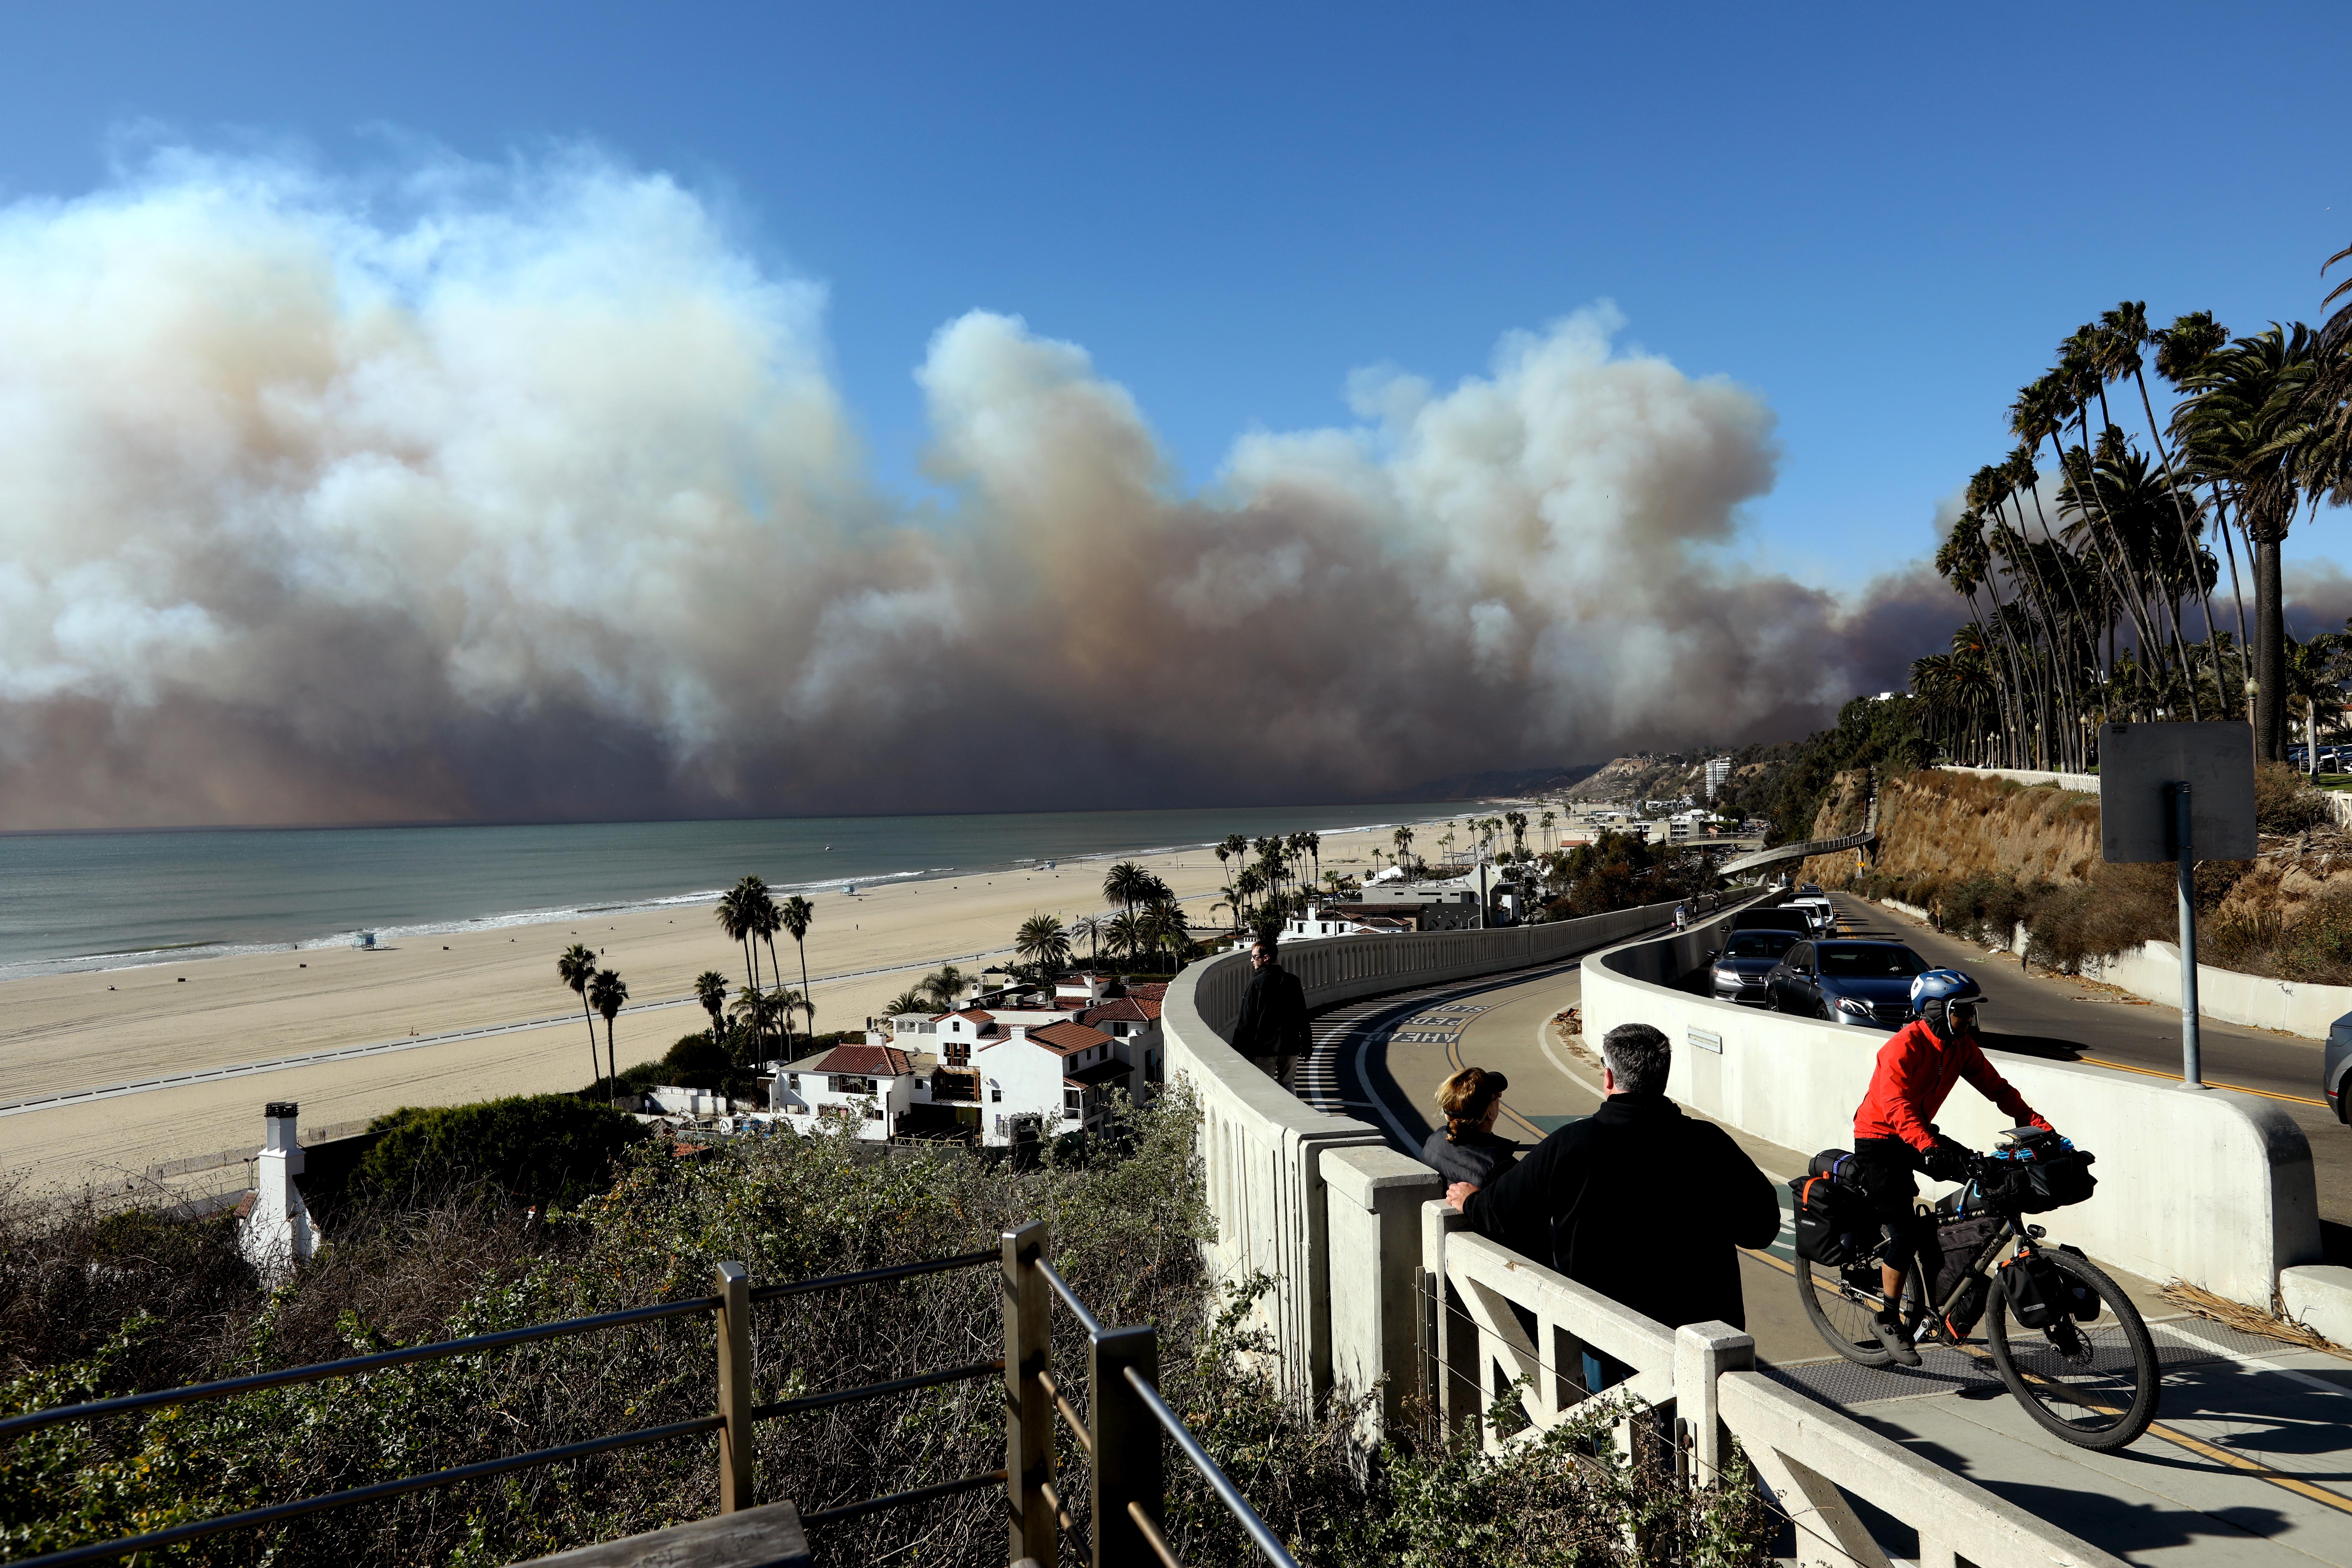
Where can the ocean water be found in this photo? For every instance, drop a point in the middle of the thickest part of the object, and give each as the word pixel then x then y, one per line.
pixel 95 900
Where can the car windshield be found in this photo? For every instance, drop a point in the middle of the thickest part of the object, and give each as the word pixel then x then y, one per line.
pixel 1760 943
pixel 1872 961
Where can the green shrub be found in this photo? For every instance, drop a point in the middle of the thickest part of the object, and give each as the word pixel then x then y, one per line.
pixel 550 1150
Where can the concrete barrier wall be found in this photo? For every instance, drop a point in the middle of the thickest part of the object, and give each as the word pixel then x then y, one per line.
pixel 1264 1150
pixel 2213 1188
pixel 2153 970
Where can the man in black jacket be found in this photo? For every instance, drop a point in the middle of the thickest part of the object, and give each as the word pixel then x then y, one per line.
pixel 1272 1026
pixel 1641 1203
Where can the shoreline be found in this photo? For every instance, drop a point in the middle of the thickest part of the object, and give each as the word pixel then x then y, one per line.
pixel 483 1007
pixel 199 952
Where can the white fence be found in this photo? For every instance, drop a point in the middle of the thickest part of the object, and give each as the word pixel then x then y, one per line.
pixel 2213 1188
pixel 1375 1286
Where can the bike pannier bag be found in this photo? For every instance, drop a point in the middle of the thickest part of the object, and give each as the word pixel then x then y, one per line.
pixel 1828 1209
pixel 2056 1180
pixel 2036 1292
pixel 1967 1311
pixel 2086 1305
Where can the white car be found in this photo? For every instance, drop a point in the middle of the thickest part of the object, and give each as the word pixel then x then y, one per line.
pixel 1817 908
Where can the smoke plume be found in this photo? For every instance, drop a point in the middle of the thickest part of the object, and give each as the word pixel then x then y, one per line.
pixel 528 492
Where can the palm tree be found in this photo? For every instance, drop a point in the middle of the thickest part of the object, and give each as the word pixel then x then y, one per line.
pixel 1519 825
pixel 606 993
pixel 796 914
pixel 1164 926
pixel 789 1003
pixel 1249 884
pixel 710 990
pixel 2243 422
pixel 1550 817
pixel 1089 927
pixel 756 1014
pixel 943 986
pixel 1042 942
pixel 2314 677
pixel 1127 885
pixel 908 1001
pixel 577 966
pixel 1402 837
pixel 736 918
pixel 1124 936
pixel 1313 842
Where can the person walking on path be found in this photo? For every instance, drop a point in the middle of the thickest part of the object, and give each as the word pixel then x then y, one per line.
pixel 1637 1200
pixel 1466 1148
pixel 1272 1028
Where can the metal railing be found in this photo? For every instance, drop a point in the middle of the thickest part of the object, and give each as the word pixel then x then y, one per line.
pixel 1118 1432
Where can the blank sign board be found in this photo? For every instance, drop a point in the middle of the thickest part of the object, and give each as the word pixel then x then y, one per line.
pixel 2138 766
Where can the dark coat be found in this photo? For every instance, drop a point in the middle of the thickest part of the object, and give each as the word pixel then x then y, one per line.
pixel 1273 1021
pixel 1478 1159
pixel 1642 1204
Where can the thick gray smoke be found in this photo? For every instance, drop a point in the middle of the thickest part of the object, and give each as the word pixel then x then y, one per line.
pixel 539 500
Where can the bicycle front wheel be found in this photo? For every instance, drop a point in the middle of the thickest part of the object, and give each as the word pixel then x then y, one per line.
pixel 2094 1384
pixel 1841 1303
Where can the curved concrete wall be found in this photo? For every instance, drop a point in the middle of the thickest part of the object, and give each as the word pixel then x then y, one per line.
pixel 2213 1188
pixel 1264 1148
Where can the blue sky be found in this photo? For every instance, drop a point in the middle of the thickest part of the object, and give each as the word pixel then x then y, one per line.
pixel 1883 222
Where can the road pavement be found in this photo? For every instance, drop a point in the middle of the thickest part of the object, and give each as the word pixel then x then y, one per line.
pixel 2248 1461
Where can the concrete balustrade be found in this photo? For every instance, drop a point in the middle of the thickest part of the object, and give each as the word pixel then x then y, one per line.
pixel 2213 1188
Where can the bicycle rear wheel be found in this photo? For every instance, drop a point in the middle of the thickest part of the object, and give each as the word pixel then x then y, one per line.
pixel 2095 1384
pixel 1841 1305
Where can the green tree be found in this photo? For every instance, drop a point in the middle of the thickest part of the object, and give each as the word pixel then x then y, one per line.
pixel 577 966
pixel 736 916
pixel 608 994
pixel 551 1150
pixel 1042 942
pixel 797 915
pixel 1127 885
pixel 710 990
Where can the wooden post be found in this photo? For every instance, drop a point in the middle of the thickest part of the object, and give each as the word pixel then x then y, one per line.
pixel 1126 1441
pixel 1028 1408
pixel 734 1388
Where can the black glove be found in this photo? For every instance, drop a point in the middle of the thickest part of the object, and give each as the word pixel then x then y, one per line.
pixel 1947 1160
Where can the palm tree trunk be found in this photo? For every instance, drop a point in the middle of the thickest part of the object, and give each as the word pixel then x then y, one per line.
pixel 2269 655
pixel 590 1014
pixel 2221 525
pixel 2187 539
pixel 2074 665
pixel 612 1063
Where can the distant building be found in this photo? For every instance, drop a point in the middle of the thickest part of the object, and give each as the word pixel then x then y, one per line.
pixel 1718 772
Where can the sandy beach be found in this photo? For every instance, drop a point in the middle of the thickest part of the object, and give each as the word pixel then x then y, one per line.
pixel 70 1032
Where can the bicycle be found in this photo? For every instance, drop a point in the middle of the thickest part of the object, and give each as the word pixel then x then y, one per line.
pixel 2087 1374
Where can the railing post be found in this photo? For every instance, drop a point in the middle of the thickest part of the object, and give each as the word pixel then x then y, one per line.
pixel 1451 1382
pixel 1124 1437
pixel 1028 1408
pixel 734 1387
pixel 1703 1353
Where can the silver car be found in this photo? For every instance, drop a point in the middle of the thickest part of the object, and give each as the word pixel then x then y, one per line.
pixel 1866 983
pixel 1748 956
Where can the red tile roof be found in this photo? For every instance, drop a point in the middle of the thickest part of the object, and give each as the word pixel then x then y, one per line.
pixel 974 1014
pixel 1066 1039
pixel 1148 990
pixel 1125 1009
pixel 867 1061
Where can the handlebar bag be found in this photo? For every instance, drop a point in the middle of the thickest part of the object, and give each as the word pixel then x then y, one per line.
pixel 2032 1185
pixel 2036 1292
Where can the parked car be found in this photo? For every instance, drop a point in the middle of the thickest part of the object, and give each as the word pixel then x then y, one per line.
pixel 1861 983
pixel 1748 956
pixel 2336 1071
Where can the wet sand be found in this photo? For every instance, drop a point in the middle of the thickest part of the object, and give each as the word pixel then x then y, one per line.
pixel 68 1032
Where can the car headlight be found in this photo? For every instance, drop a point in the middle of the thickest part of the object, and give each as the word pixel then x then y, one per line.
pixel 1854 1005
pixel 1727 976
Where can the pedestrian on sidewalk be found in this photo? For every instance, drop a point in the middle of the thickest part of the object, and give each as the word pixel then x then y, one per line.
pixel 1466 1149
pixel 1272 1029
pixel 1639 1202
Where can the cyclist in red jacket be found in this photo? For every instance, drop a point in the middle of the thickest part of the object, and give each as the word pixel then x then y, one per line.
pixel 1894 1133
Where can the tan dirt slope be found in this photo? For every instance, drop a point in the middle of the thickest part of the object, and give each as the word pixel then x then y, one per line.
pixel 1948 826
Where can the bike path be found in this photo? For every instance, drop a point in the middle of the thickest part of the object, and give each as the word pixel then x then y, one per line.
pixel 2251 1461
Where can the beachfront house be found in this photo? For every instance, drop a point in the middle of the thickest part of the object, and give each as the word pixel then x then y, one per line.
pixel 869 1089
pixel 1043 1080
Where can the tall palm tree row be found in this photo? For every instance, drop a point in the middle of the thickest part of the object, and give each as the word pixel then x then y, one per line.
pixel 608 994
pixel 2090 557
pixel 576 967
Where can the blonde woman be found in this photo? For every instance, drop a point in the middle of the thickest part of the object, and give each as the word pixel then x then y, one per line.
pixel 1465 1148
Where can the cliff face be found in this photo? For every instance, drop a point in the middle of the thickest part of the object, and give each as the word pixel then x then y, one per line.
pixel 1946 826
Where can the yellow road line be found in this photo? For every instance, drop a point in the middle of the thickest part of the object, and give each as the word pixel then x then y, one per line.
pixel 2234 1088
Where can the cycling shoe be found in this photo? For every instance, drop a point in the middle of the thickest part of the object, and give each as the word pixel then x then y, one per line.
pixel 1897 1342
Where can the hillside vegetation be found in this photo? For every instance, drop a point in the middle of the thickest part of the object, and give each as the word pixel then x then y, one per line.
pixel 93 1304
pixel 1983 855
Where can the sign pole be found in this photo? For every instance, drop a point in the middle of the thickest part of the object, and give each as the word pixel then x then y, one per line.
pixel 2192 1074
